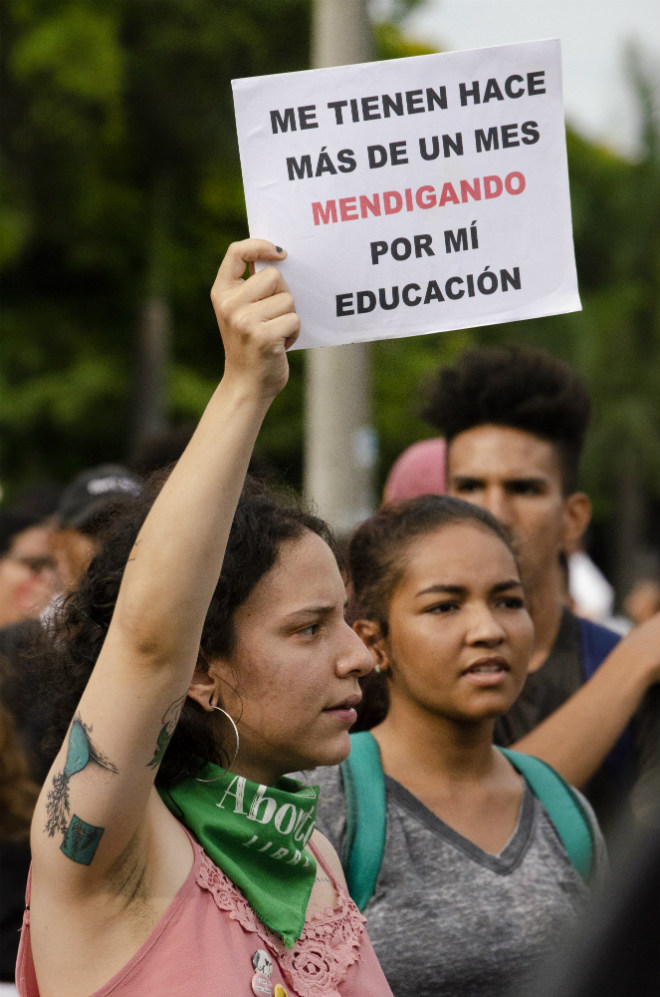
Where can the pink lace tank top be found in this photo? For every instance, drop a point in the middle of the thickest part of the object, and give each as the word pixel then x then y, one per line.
pixel 204 945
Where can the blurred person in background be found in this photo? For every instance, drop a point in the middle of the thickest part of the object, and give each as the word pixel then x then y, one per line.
pixel 28 577
pixel 72 536
pixel 418 470
pixel 86 504
pixel 18 795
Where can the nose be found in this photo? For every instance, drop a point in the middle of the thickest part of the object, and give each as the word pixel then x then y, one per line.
pixel 496 503
pixel 355 657
pixel 484 628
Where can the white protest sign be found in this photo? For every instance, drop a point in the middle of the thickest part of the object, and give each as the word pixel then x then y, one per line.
pixel 415 195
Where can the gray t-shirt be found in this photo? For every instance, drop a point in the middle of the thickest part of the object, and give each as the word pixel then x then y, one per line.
pixel 449 919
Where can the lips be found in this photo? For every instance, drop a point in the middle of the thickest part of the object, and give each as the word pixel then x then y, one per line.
pixel 487 666
pixel 346 704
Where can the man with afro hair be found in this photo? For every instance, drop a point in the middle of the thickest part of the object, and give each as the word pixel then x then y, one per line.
pixel 515 420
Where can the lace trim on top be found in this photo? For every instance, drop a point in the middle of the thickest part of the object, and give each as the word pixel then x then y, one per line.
pixel 329 944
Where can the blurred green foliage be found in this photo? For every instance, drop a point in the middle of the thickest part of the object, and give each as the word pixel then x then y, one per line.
pixel 120 178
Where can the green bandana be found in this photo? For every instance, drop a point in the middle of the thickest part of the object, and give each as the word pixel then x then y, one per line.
pixel 257 835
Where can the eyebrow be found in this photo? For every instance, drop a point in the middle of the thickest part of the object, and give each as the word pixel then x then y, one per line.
pixel 323 610
pixel 512 583
pixel 513 479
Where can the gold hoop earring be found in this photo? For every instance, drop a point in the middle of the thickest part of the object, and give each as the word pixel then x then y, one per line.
pixel 238 741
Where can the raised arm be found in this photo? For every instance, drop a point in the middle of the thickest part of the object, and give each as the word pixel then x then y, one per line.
pixel 577 737
pixel 99 797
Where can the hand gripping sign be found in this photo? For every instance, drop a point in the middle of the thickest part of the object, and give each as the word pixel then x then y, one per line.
pixel 415 195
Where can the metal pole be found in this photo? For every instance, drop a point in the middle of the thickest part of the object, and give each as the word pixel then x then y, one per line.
pixel 339 440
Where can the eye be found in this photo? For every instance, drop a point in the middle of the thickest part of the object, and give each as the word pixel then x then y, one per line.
pixel 35 564
pixel 511 602
pixel 440 608
pixel 310 630
pixel 525 488
pixel 467 486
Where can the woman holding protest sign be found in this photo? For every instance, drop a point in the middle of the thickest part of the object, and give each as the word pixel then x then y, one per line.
pixel 467 871
pixel 208 655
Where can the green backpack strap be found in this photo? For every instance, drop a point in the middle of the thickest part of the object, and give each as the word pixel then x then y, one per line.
pixel 364 787
pixel 563 806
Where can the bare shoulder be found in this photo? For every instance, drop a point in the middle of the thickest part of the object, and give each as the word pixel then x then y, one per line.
pixel 330 856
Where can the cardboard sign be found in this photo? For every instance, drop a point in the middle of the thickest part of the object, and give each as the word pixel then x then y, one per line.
pixel 415 195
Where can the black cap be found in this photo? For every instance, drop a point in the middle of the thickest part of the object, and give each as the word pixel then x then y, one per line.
pixel 93 489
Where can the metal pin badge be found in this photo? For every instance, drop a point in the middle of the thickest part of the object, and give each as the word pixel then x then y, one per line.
pixel 263 970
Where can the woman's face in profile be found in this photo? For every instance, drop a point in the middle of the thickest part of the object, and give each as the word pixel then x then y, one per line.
pixel 459 634
pixel 298 664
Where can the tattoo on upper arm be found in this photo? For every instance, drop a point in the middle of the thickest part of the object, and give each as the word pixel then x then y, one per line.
pixel 170 720
pixel 80 838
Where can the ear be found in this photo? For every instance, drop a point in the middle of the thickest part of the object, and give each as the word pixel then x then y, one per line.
pixel 369 631
pixel 577 516
pixel 204 685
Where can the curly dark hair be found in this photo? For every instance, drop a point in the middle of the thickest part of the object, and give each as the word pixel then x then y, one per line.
pixel 518 387
pixel 260 526
pixel 377 561
pixel 18 788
